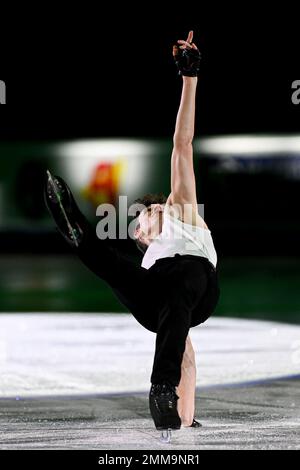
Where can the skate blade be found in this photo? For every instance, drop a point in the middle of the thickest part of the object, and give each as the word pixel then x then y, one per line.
pixel 56 192
pixel 52 183
pixel 165 437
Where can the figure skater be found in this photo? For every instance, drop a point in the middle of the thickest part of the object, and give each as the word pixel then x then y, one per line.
pixel 176 286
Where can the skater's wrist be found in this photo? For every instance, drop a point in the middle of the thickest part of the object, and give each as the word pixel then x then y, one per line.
pixel 189 80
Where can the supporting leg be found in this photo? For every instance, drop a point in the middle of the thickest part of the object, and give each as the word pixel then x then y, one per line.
pixel 173 327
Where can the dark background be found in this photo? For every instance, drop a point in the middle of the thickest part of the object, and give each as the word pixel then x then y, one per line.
pixel 100 73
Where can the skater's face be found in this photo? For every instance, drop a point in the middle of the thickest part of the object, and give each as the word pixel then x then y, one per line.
pixel 150 223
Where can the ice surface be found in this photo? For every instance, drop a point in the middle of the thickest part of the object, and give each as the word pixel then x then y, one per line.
pixel 74 354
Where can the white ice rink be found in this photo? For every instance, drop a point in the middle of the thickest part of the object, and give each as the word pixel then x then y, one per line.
pixel 82 354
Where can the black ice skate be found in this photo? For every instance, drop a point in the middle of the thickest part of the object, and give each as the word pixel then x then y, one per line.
pixel 63 208
pixel 163 408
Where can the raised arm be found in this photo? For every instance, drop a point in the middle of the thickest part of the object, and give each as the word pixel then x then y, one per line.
pixel 185 121
pixel 183 184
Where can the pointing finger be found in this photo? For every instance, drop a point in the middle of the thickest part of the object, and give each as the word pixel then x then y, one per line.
pixel 190 36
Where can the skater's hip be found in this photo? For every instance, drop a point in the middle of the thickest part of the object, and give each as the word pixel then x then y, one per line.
pixel 191 274
pixel 208 303
pixel 177 258
pixel 198 276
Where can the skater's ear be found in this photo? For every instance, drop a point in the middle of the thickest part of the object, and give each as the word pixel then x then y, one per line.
pixel 138 239
pixel 137 230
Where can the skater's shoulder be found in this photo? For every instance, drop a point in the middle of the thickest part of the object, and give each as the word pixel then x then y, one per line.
pixel 186 216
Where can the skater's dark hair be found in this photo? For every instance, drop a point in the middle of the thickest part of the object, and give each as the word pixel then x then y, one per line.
pixel 150 198
pixel 147 200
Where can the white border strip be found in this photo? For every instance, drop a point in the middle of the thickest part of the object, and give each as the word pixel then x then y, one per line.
pixel 249 145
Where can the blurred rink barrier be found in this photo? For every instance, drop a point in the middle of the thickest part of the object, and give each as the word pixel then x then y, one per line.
pixel 249 185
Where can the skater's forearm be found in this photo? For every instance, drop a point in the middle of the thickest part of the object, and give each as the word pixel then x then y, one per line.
pixel 183 184
pixel 185 121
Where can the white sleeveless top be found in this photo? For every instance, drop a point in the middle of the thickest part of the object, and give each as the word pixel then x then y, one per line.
pixel 179 237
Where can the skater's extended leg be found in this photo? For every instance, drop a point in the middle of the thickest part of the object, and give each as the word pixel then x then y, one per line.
pixel 130 282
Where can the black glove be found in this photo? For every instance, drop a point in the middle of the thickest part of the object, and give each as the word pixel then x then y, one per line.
pixel 187 61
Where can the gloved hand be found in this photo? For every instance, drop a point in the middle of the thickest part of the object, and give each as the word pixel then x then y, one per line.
pixel 187 57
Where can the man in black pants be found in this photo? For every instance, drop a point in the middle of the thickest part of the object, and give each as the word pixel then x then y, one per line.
pixel 176 287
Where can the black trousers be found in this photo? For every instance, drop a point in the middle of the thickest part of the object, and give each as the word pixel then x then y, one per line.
pixel 175 294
